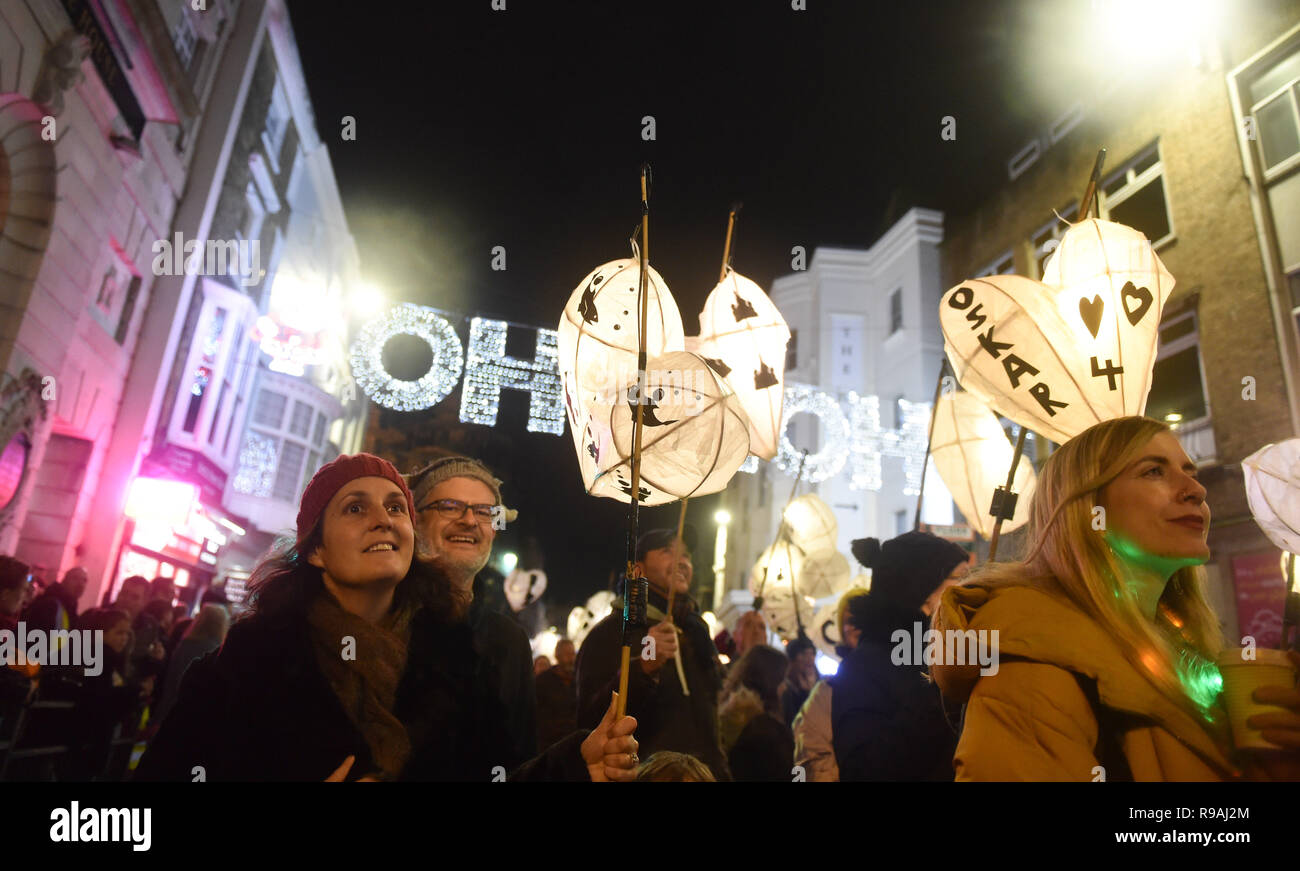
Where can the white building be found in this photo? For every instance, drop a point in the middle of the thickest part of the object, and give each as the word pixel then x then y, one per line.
pixel 862 322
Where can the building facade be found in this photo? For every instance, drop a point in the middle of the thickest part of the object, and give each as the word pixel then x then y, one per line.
pixel 101 104
pixel 1204 159
pixel 138 374
pixel 865 335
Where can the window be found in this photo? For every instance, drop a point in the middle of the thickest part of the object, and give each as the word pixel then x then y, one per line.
pixel 288 472
pixel 229 374
pixel 203 369
pixel 1049 235
pixel 1135 195
pixel 250 225
pixel 300 423
pixel 128 310
pixel 792 351
pixel 1177 384
pixel 277 124
pixel 1004 264
pixel 1275 105
pixel 895 311
pixel 184 39
pixel 318 438
pixel 269 411
pixel 900 522
pixel 898 411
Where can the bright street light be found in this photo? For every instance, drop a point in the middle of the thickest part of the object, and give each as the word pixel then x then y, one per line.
pixel 723 517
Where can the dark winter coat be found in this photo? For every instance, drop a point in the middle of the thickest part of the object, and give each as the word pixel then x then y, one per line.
pixel 760 748
pixel 887 720
pixel 666 719
pixel 53 609
pixel 261 710
pixel 504 660
pixel 557 706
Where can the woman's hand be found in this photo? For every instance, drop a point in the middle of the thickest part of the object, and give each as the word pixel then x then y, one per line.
pixel 610 749
pixel 341 773
pixel 1278 727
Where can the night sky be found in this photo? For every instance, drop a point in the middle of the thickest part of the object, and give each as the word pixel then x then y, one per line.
pixel 522 128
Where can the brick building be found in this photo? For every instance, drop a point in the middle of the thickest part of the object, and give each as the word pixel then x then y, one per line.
pixel 1204 158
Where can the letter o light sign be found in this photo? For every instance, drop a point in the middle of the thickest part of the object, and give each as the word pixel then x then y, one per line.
pixel 433 386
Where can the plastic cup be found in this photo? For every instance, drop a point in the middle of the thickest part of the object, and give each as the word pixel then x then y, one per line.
pixel 1241 677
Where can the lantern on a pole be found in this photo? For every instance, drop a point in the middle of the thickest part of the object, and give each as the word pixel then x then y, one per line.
pixel 743 337
pixel 810 524
pixel 1273 490
pixel 971 453
pixel 1078 348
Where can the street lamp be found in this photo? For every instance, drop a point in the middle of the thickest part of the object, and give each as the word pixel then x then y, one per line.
pixel 509 560
pixel 722 517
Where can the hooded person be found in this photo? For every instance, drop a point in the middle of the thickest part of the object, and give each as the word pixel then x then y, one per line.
pixel 1106 640
pixel 887 719
pixel 336 672
pixel 671 716
pixel 458 508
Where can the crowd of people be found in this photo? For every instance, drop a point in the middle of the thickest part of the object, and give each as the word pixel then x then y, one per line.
pixel 365 655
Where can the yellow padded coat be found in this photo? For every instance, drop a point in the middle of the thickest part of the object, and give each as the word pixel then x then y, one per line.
pixel 1033 719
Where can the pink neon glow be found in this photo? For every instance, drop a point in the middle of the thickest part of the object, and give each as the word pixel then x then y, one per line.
pixel 159 500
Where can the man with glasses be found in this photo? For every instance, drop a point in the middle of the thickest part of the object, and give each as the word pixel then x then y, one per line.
pixel 458 512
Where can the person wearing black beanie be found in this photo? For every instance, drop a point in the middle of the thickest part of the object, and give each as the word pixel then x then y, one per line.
pixel 887 719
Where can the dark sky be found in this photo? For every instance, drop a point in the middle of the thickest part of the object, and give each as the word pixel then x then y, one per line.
pixel 522 128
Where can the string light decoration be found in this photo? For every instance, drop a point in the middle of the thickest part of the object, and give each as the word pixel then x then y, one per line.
pixel 908 442
pixel 257 460
pixel 431 388
pixel 867 446
pixel 488 370
pixel 801 399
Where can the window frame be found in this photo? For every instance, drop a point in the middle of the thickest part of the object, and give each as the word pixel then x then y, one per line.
pixel 896 320
pixel 1291 89
pixel 1136 182
pixel 1182 343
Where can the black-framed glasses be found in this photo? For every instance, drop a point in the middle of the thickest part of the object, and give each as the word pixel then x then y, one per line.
pixel 454 509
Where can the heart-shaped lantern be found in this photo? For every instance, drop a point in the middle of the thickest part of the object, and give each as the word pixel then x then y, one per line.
pixel 524 587
pixel 972 455
pixel 743 337
pixel 1060 355
pixel 1273 491
pixel 695 435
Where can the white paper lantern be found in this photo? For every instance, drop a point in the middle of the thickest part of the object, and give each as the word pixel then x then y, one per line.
pixel 743 337
pixel 598 337
pixel 583 617
pixel 1078 348
pixel 826 574
pixel 543 643
pixel 776 567
pixel 1273 491
pixel 778 611
pixel 811 525
pixel 972 455
pixel 524 587
pixel 824 630
pixel 695 435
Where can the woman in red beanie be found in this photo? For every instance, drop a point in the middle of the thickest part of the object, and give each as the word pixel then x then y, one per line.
pixel 334 675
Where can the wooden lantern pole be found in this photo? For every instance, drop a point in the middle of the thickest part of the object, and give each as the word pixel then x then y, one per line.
pixel 722 275
pixel 1004 500
pixel 637 428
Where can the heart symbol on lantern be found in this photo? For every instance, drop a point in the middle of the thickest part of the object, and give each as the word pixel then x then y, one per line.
pixel 1054 356
pixel 1090 310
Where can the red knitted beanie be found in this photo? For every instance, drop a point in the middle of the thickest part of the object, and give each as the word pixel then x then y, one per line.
pixel 332 476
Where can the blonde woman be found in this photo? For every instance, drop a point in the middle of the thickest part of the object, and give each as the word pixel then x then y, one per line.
pixel 1106 641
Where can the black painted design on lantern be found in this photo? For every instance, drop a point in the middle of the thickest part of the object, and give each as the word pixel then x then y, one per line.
pixel 1144 300
pixel 648 417
pixel 742 309
pixel 587 308
pixel 718 366
pixel 1091 310
pixel 1110 372
pixel 765 377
